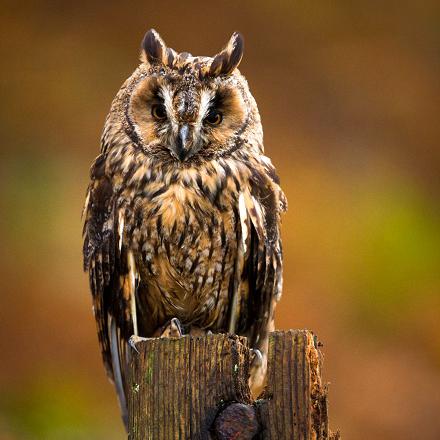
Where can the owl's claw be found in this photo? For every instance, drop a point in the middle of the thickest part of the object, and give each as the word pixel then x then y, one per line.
pixel 173 329
pixel 256 357
pixel 134 340
pixel 176 329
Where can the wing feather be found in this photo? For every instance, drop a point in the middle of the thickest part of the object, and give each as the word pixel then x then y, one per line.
pixel 264 203
pixel 112 278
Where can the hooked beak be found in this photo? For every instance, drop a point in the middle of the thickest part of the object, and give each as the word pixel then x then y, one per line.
pixel 182 147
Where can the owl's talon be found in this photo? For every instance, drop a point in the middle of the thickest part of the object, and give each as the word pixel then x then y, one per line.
pixel 173 329
pixel 256 357
pixel 134 340
pixel 176 328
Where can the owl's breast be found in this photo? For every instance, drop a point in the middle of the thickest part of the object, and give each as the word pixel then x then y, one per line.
pixel 185 249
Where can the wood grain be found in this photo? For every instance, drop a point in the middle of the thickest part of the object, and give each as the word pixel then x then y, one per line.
pixel 179 385
pixel 294 404
pixel 196 387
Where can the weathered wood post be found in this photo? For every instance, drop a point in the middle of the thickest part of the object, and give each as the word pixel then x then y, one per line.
pixel 197 388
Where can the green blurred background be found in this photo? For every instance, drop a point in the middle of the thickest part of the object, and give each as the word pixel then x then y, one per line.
pixel 349 96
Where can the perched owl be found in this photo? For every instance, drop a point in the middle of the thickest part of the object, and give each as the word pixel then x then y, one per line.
pixel 182 214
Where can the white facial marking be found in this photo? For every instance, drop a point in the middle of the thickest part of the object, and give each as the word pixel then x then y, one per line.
pixel 167 96
pixel 205 99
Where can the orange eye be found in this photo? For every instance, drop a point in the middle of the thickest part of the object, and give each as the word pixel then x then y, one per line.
pixel 214 118
pixel 158 112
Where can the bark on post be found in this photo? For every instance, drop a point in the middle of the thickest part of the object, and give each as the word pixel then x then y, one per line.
pixel 197 388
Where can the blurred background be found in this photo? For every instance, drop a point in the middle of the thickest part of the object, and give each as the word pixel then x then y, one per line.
pixel 349 97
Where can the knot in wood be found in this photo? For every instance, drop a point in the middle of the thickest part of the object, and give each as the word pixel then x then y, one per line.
pixel 236 422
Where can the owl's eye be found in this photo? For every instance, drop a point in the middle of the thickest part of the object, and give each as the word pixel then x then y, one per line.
pixel 158 112
pixel 214 118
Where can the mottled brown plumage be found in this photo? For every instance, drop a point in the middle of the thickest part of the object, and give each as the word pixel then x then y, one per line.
pixel 182 214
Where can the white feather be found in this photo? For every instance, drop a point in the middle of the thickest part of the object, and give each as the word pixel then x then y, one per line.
pixel 133 276
pixel 243 220
pixel 167 95
pixel 205 100
pixel 120 228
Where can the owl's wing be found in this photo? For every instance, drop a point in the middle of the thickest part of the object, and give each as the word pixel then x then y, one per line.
pixel 262 270
pixel 110 285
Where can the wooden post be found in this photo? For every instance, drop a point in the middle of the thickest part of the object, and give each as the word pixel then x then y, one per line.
pixel 197 388
pixel 294 405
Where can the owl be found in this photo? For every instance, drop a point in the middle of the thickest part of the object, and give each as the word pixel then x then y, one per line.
pixel 182 214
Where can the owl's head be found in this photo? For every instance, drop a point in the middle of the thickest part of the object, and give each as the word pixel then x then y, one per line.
pixel 185 109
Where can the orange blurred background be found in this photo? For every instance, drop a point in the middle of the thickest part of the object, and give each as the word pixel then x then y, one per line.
pixel 349 97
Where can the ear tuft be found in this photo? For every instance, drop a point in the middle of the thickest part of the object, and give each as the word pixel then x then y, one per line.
pixel 153 47
pixel 229 58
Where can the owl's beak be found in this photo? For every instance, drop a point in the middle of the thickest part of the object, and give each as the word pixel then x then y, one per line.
pixel 182 148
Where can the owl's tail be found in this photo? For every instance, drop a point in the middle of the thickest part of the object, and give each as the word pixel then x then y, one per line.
pixel 119 370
